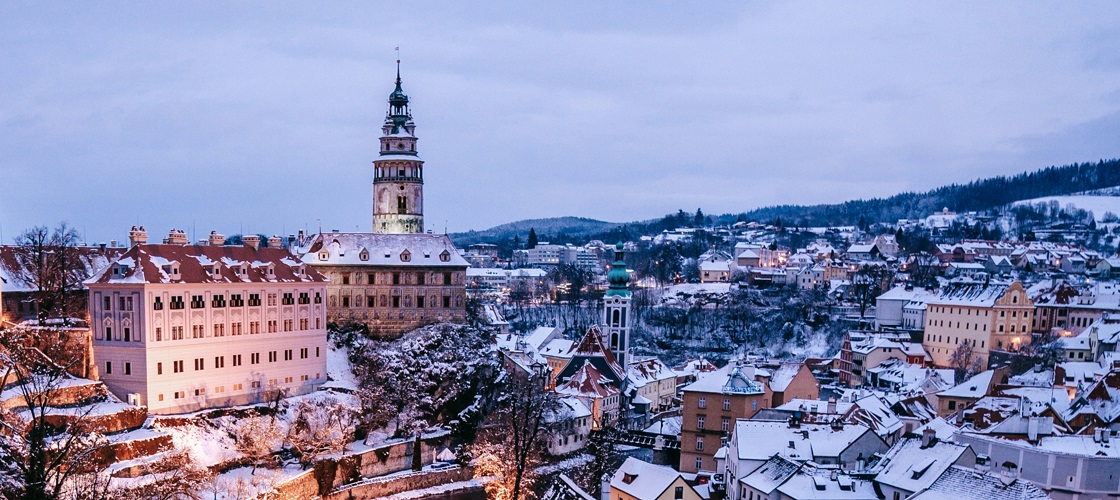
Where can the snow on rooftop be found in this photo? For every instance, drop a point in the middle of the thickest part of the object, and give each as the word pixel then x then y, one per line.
pixel 643 479
pixel 975 387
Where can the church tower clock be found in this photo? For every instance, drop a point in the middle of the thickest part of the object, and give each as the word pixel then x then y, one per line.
pixel 398 172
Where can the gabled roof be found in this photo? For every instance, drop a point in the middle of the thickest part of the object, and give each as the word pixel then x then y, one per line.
pixel 587 382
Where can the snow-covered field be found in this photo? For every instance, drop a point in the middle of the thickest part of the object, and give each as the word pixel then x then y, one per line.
pixel 1096 204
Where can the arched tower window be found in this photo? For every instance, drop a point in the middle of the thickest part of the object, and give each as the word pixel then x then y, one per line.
pixel 614 340
pixel 402 204
pixel 615 317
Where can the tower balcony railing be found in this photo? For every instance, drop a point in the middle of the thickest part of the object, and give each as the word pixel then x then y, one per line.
pixel 398 178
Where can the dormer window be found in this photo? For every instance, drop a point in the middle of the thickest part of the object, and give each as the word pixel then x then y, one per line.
pixel 445 256
pixel 406 256
pixel 215 271
pixel 364 255
pixel 270 271
pixel 323 255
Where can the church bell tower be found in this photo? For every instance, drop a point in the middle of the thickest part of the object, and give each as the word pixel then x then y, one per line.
pixel 398 172
pixel 616 310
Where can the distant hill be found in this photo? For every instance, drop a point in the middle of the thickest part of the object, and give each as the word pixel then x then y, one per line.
pixel 978 195
pixel 574 226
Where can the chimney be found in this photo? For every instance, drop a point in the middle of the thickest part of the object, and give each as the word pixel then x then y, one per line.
pixel 113 243
pixel 217 240
pixel 251 240
pixel 176 237
pixel 275 242
pixel 929 436
pixel 1034 424
pixel 137 236
pixel 831 405
pixel 605 487
pixel 983 464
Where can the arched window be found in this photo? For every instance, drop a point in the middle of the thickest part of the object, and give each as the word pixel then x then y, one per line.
pixel 402 204
pixel 615 318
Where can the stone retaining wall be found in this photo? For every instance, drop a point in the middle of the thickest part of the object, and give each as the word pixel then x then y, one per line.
pixel 377 488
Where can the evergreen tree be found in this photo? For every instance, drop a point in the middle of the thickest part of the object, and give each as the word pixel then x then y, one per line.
pixel 532 243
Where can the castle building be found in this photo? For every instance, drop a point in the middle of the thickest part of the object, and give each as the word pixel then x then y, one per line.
pixel 180 327
pixel 398 173
pixel 392 283
pixel 396 278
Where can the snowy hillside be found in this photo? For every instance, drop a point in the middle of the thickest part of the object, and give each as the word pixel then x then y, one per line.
pixel 1097 204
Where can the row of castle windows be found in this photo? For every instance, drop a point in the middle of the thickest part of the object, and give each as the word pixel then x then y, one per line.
pixel 420 278
pixel 397 301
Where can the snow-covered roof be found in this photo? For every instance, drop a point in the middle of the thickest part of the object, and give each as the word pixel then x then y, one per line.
pixel 377 249
pixel 783 375
pixel 975 387
pixel 539 336
pixel 168 263
pixel 761 439
pixel 768 476
pixel 587 382
pixel 731 379
pixel 817 483
pixel 642 479
pixel 959 482
pixel 969 294
pixel 649 371
pixel 909 466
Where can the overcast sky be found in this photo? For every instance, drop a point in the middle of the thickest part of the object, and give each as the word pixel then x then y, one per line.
pixel 264 117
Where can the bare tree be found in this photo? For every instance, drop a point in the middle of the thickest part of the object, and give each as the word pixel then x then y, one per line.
pixel 258 438
pixel 41 453
pixel 963 362
pixel 51 264
pixel 512 442
pixel 320 428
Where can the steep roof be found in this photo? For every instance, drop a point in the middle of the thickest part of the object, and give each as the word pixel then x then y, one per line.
pixel 587 382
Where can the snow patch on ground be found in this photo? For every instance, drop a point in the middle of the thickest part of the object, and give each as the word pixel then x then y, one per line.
pixel 339 371
pixel 1096 204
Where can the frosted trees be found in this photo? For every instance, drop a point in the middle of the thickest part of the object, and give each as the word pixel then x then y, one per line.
pixel 320 428
pixel 39 456
pixel 257 438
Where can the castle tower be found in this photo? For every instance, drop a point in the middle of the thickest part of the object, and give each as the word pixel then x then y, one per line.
pixel 398 173
pixel 616 313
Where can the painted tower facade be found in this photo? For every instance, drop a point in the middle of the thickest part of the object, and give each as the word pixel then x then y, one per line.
pixel 398 173
pixel 616 311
